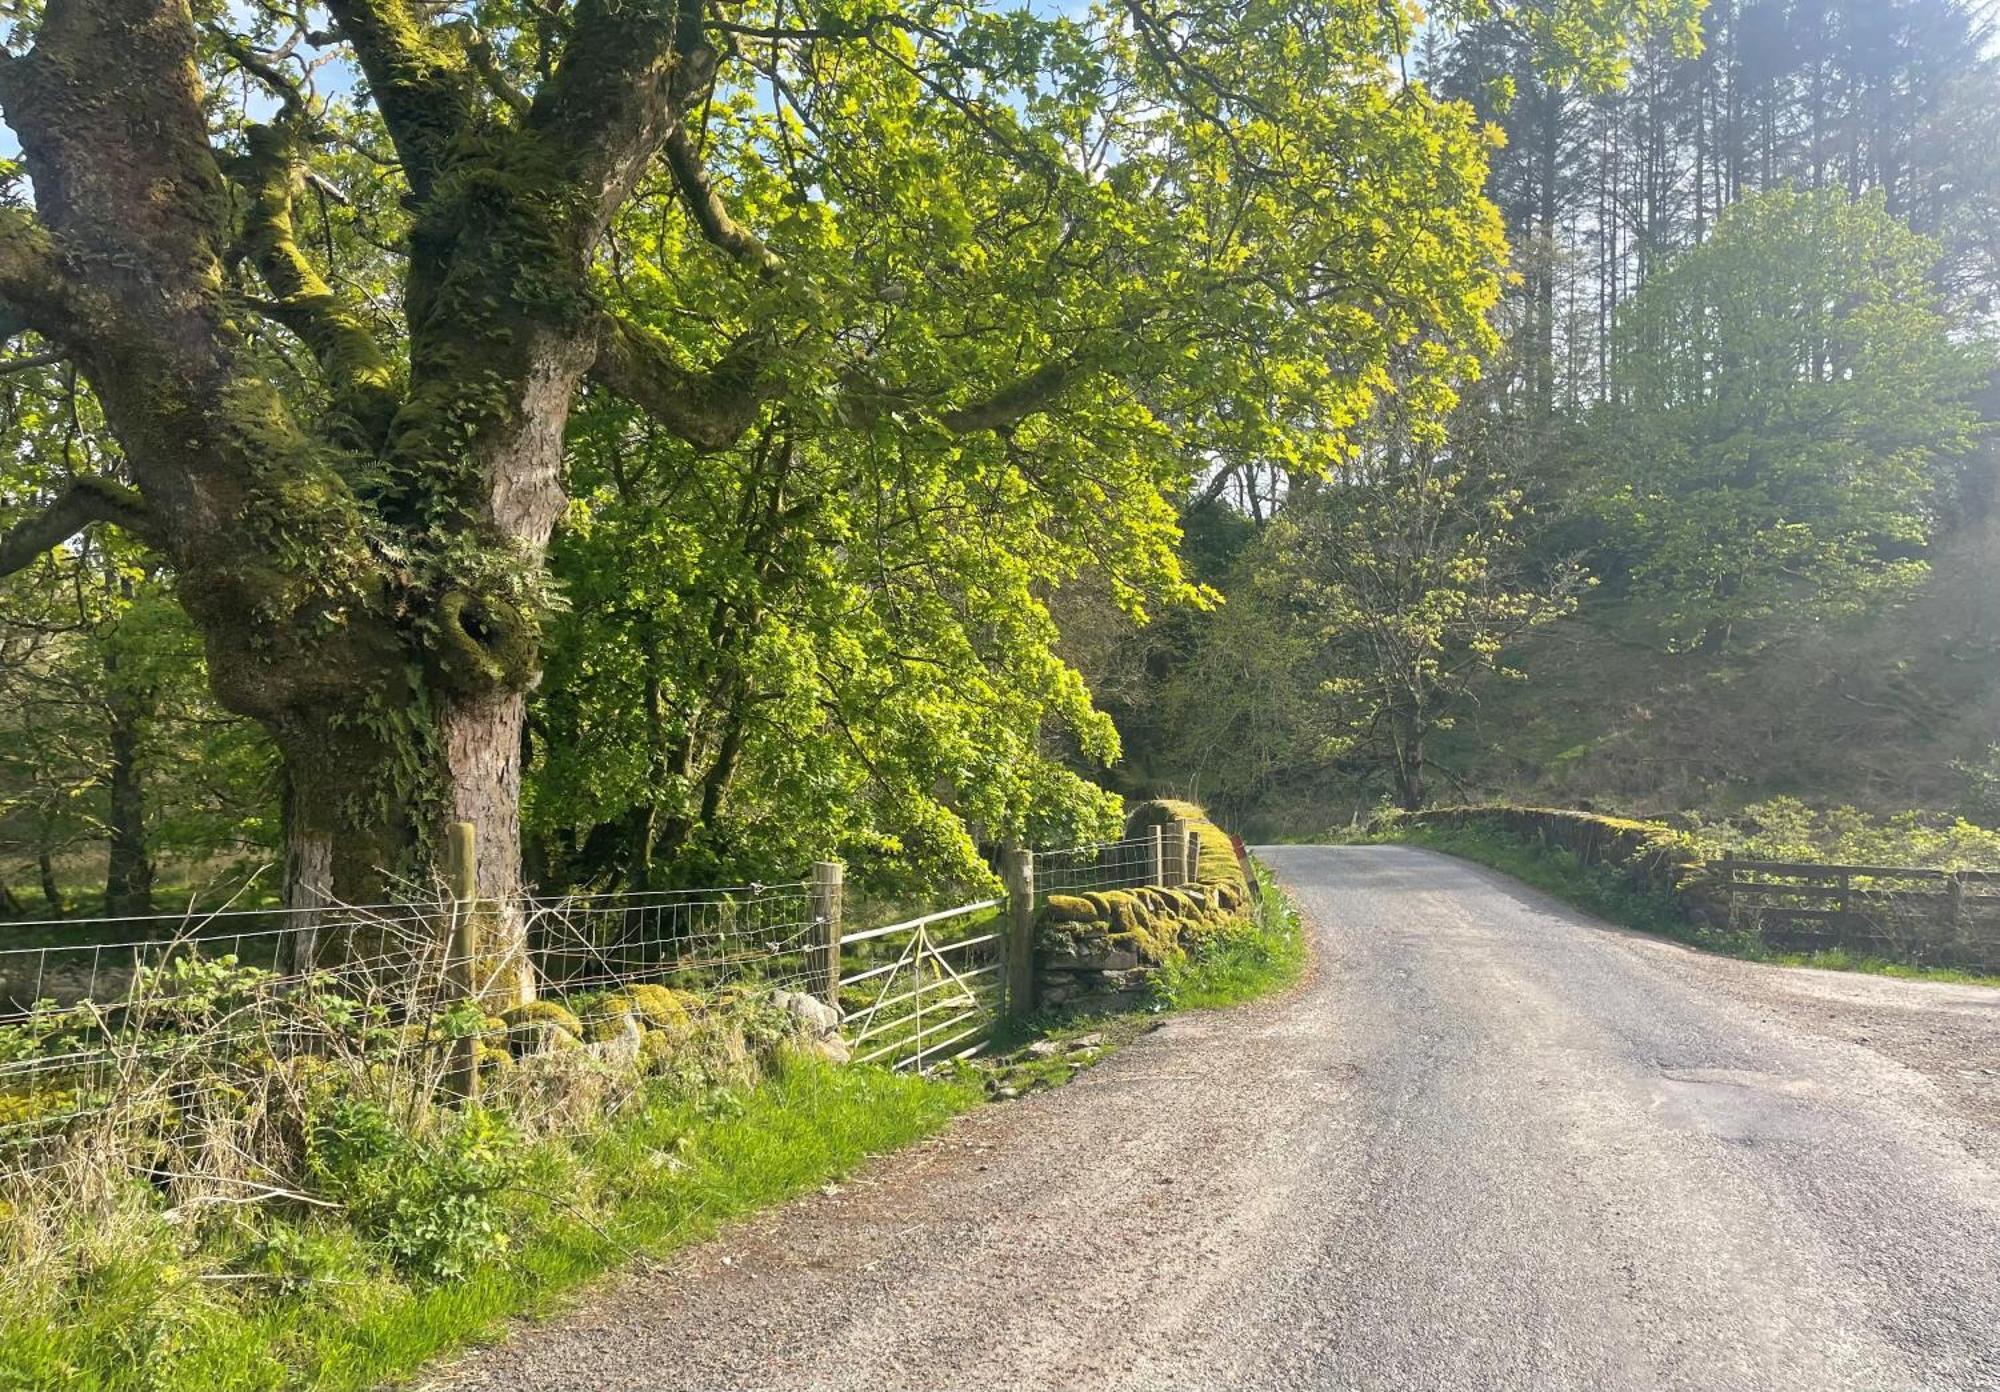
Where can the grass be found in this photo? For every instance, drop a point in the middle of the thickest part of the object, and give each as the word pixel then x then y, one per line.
pixel 1267 954
pixel 1607 895
pixel 283 1304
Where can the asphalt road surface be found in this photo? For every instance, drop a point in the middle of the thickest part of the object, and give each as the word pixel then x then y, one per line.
pixel 1490 1144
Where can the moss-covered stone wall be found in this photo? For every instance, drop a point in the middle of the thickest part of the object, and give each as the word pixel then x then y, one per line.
pixel 1651 856
pixel 1098 952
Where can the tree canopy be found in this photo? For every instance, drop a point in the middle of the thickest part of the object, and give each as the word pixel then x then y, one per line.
pixel 1786 396
pixel 883 319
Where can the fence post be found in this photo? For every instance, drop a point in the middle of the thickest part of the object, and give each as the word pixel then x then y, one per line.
pixel 1729 887
pixel 1177 856
pixel 461 874
pixel 1156 857
pixel 827 878
pixel 1017 869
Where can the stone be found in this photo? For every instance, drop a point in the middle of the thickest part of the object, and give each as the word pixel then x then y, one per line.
pixel 617 1040
pixel 834 1049
pixel 1113 960
pixel 1045 1049
pixel 814 1014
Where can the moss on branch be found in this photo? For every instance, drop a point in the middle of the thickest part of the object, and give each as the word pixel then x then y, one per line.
pixel 86 501
pixel 424 90
pixel 359 375
pixel 709 410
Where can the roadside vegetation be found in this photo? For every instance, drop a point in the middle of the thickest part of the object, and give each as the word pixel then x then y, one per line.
pixel 699 442
pixel 1264 954
pixel 441 1239
pixel 378 1229
pixel 1609 895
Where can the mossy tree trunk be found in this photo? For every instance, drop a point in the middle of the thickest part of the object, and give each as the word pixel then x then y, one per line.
pixel 367 581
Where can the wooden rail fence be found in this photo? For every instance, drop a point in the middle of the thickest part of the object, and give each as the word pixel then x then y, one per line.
pixel 1918 914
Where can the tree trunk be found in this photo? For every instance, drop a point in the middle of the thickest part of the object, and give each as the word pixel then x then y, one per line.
pixel 482 748
pixel 1410 772
pixel 386 633
pixel 128 881
pixel 51 895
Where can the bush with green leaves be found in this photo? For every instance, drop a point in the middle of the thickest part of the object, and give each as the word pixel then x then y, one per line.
pixel 1982 786
pixel 1787 829
pixel 430 1201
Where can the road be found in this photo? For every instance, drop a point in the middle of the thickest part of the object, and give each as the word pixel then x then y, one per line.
pixel 1491 1143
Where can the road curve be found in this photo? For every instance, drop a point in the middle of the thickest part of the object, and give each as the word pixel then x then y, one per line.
pixel 1491 1144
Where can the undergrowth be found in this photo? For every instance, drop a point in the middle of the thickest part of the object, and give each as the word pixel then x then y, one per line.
pixel 1609 896
pixel 273 1299
pixel 403 1237
pixel 1266 953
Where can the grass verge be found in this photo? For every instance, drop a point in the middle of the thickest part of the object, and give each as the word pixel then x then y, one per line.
pixel 1266 954
pixel 293 1303
pixel 1607 895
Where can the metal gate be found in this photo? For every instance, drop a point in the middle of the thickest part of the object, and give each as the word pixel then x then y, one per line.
pixel 920 993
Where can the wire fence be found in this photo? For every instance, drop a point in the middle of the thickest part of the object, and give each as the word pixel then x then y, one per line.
pixel 1124 864
pixel 187 1052
pixel 693 940
pixel 175 1046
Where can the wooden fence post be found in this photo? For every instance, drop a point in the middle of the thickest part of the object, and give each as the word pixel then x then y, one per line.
pixel 1729 887
pixel 1177 872
pixel 1156 857
pixel 461 865
pixel 1017 869
pixel 827 879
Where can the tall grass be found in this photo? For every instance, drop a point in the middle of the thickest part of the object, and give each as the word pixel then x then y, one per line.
pixel 270 1301
pixel 1265 954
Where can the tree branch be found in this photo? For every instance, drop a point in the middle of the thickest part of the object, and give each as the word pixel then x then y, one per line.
pixel 422 90
pixel 357 372
pixel 627 72
pixel 28 364
pixel 480 50
pixel 710 410
pixel 261 68
pixel 34 291
pixel 710 213
pixel 87 500
pixel 1018 400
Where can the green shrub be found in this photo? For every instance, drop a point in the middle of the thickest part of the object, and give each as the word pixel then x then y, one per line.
pixel 1788 829
pixel 429 1203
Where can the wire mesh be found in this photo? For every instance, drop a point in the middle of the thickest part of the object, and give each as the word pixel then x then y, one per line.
pixel 762 934
pixel 171 1040
pixel 143 1039
pixel 1125 864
